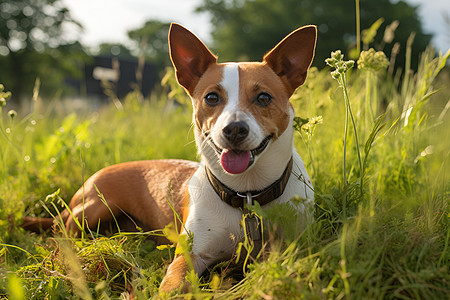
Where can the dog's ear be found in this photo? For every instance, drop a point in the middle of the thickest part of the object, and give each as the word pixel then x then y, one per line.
pixel 291 58
pixel 189 55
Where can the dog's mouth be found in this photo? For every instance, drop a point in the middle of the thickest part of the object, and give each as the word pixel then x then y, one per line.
pixel 237 161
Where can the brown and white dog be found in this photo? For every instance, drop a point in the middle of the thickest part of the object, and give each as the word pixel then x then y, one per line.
pixel 243 124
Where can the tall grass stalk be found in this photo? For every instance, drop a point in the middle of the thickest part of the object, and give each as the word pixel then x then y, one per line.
pixel 340 74
pixel 369 114
pixel 355 131
pixel 358 28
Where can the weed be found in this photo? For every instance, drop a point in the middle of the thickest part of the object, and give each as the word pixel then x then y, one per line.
pixel 340 74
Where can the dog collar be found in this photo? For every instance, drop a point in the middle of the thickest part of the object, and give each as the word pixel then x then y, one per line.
pixel 263 197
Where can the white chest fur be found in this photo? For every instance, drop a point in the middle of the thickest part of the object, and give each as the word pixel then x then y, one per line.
pixel 215 225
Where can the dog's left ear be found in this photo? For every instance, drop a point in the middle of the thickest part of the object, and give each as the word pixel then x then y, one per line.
pixel 189 55
pixel 291 58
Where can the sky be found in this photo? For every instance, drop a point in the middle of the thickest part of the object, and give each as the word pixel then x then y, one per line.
pixel 109 20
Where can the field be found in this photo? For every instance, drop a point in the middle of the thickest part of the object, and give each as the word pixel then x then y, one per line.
pixel 376 146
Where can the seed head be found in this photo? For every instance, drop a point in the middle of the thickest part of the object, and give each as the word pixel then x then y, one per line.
pixel 337 61
pixel 335 74
pixel 331 62
pixel 316 120
pixel 12 114
pixel 372 61
pixel 349 64
pixel 337 55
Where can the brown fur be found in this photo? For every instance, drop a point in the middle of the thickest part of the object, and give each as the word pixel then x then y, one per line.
pixel 175 275
pixel 256 78
pixel 137 192
pixel 205 115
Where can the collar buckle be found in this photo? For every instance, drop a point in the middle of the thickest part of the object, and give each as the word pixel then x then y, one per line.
pixel 248 196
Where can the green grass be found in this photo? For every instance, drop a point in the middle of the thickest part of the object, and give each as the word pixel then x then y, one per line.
pixel 387 238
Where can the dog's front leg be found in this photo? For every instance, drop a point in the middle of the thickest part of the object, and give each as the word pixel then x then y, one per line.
pixel 214 228
pixel 177 271
pixel 176 275
pixel 210 244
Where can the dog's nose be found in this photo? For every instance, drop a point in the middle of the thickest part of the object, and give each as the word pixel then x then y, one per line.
pixel 236 131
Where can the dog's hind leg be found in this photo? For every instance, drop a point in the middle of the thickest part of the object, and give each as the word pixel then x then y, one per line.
pixel 88 207
pixel 35 224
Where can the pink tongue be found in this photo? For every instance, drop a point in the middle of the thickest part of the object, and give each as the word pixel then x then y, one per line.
pixel 234 163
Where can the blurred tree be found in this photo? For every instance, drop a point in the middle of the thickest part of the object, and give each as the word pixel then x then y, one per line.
pixel 244 30
pixel 150 41
pixel 34 43
pixel 115 50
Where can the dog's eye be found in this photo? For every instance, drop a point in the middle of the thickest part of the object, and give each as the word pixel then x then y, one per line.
pixel 263 99
pixel 212 99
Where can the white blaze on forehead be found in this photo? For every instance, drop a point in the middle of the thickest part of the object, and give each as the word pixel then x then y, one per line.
pixel 233 112
pixel 230 83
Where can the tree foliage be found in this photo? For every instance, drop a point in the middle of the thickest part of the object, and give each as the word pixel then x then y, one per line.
pixel 34 43
pixel 115 50
pixel 244 30
pixel 150 40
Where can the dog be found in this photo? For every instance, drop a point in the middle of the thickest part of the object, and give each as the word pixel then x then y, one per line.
pixel 243 127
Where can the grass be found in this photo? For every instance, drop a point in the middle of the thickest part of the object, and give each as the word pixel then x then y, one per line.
pixel 381 226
